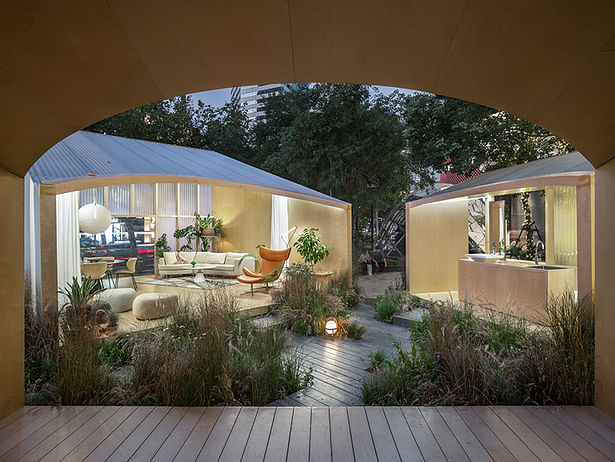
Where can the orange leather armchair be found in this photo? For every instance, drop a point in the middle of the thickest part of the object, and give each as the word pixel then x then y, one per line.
pixel 271 267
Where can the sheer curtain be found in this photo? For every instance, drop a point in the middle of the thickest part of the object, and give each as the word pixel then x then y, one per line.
pixel 279 222
pixel 32 241
pixel 67 227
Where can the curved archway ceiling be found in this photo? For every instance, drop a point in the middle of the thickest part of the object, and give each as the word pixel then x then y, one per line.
pixel 65 65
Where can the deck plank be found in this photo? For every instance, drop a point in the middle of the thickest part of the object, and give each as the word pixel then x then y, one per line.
pixel 139 434
pixel 119 435
pixel 178 437
pixel 299 441
pixel 422 434
pixel 84 448
pixel 75 438
pixel 47 445
pixel 213 447
pixel 512 442
pixel 404 439
pixel 444 436
pixel 362 442
pixel 566 433
pixel 280 433
pixel 191 448
pixel 552 439
pixel 320 435
pixel 341 440
pixel 487 438
pixel 526 434
pixel 158 436
pixel 44 416
pixel 468 441
pixel 237 440
pixel 259 436
pixel 381 434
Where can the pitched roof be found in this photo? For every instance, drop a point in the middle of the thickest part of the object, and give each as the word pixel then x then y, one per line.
pixel 86 155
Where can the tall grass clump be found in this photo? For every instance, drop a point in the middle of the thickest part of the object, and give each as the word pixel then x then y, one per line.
pixel 210 354
pixel 305 304
pixel 395 300
pixel 343 286
pixel 461 358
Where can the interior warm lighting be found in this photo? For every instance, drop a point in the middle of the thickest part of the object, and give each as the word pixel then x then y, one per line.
pixel 331 327
pixel 94 218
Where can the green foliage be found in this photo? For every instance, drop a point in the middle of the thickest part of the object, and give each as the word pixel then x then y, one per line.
pixel 162 246
pixel 193 231
pixel 342 285
pixel 305 304
pixel 113 353
pixel 462 358
pixel 395 300
pixel 376 360
pixel 461 136
pixel 79 294
pixel 310 247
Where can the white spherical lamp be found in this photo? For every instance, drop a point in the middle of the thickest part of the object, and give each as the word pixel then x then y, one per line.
pixel 94 218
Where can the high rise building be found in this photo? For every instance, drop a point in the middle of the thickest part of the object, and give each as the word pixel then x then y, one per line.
pixel 253 97
pixel 235 95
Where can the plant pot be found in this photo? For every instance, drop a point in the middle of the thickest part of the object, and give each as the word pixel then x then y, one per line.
pixel 208 232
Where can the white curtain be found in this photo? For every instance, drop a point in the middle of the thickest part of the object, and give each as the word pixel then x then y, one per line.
pixel 279 222
pixel 32 241
pixel 67 227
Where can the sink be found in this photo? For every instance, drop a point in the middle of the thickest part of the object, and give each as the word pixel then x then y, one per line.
pixel 546 267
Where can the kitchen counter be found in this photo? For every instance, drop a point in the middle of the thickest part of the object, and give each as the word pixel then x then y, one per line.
pixel 513 285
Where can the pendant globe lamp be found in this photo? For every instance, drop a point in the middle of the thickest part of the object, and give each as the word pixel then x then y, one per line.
pixel 94 218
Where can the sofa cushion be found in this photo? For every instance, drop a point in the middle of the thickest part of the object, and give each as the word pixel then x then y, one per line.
pixel 187 256
pixel 231 256
pixel 224 267
pixel 215 258
pixel 169 258
pixel 201 257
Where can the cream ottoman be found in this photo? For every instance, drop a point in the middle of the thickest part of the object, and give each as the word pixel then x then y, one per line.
pixel 153 306
pixel 119 299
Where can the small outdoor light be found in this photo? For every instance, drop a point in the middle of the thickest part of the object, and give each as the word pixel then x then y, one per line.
pixel 331 327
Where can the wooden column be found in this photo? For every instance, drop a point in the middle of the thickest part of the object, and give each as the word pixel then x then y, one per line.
pixel 605 287
pixel 49 257
pixel 12 293
pixel 585 238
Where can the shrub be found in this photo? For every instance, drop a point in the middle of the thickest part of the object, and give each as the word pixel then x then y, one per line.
pixel 212 355
pixel 376 359
pixel 305 304
pixel 393 301
pixel 114 353
pixel 342 285
pixel 460 358
pixel 355 330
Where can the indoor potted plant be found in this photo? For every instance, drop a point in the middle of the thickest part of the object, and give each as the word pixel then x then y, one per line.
pixel 310 247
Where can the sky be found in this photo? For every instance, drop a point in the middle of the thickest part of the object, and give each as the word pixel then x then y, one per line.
pixel 217 98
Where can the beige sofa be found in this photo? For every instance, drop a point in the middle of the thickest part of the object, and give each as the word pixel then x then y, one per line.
pixel 209 263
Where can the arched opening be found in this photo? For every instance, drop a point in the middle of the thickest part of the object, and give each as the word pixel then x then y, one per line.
pixel 67 69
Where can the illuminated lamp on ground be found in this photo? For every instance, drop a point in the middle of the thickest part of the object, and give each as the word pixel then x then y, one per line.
pixel 331 327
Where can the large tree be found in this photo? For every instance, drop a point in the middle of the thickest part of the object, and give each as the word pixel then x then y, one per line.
pixel 336 139
pixel 444 132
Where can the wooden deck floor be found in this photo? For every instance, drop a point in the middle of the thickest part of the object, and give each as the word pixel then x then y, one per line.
pixel 307 433
pixel 339 365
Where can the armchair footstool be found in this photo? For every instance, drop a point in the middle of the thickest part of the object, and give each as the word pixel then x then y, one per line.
pixel 146 307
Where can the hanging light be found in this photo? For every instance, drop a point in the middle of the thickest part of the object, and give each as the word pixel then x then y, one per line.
pixel 331 327
pixel 94 218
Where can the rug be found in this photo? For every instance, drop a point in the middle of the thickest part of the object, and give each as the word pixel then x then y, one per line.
pixel 187 282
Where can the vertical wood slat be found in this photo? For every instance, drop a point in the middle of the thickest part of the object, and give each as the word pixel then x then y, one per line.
pixel 381 434
pixel 299 442
pixel 444 436
pixel 259 436
pixel 403 437
pixel 341 439
pixel 280 433
pixel 198 436
pixel 320 435
pixel 238 438
pixel 362 443
pixel 470 444
pixel 422 434
pixel 213 447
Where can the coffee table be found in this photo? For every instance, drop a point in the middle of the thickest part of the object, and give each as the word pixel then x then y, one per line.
pixel 198 272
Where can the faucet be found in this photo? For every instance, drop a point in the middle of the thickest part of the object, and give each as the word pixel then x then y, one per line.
pixel 539 246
